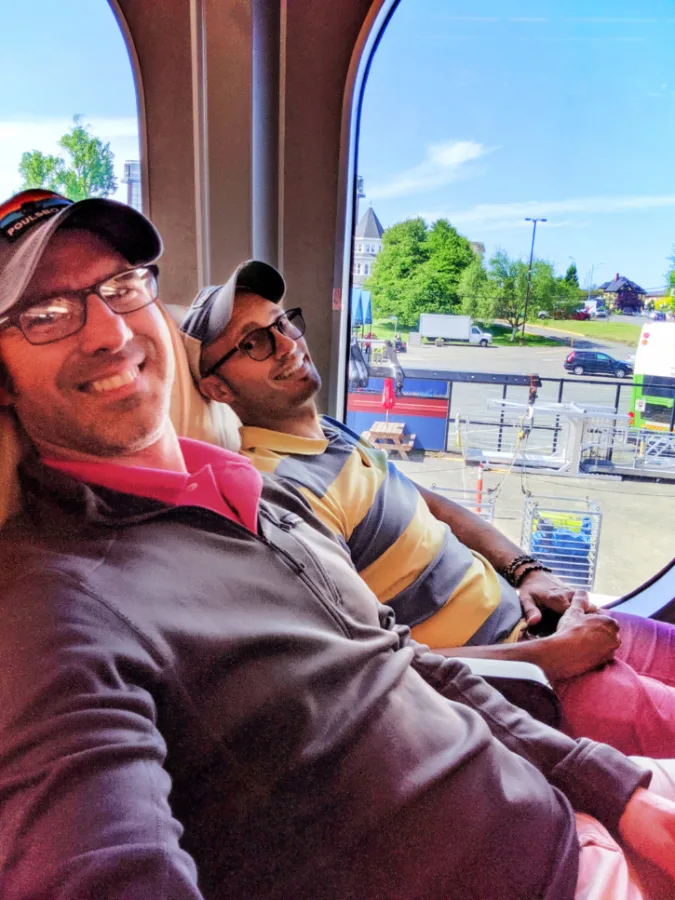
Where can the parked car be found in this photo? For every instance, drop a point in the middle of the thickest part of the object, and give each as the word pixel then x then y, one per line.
pixel 657 315
pixel 599 313
pixel 593 362
pixel 581 315
pixel 543 314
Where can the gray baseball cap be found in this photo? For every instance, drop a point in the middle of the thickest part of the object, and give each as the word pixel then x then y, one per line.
pixel 211 310
pixel 28 221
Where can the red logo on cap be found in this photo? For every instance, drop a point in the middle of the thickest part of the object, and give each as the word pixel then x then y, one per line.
pixel 21 212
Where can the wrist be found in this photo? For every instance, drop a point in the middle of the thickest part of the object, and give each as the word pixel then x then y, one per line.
pixel 527 570
pixel 520 567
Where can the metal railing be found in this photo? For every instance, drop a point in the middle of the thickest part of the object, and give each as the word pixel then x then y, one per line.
pixel 606 444
pixel 512 438
pixel 468 395
pixel 609 445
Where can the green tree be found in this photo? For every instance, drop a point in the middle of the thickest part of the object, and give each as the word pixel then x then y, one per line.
pixel 87 173
pixel 476 292
pixel 418 270
pixel 507 287
pixel 571 275
pixel 566 298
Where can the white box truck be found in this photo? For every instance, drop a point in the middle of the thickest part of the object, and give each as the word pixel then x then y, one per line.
pixel 441 328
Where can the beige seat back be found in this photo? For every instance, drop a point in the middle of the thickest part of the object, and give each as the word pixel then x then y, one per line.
pixel 191 415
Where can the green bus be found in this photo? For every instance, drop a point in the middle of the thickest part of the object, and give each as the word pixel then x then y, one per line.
pixel 653 398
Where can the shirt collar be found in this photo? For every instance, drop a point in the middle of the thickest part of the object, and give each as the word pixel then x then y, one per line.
pixel 236 478
pixel 253 438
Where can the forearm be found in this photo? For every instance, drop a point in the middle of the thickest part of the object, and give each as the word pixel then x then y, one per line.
pixel 471 530
pixel 596 778
pixel 537 651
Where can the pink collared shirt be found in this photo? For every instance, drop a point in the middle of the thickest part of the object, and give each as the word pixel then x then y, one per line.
pixel 216 479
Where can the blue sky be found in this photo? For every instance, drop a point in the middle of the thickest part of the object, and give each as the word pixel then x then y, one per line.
pixel 62 57
pixel 484 112
pixel 488 112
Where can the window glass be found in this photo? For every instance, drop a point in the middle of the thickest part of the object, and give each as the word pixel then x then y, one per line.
pixel 89 76
pixel 516 162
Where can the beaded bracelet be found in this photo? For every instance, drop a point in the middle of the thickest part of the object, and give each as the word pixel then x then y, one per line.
pixel 509 571
pixel 537 567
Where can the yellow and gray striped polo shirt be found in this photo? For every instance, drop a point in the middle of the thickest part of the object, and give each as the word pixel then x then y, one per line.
pixel 447 594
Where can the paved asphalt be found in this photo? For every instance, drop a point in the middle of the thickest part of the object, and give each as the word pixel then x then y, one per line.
pixel 546 361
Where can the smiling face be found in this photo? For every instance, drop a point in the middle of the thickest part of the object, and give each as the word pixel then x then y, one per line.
pixel 266 393
pixel 105 391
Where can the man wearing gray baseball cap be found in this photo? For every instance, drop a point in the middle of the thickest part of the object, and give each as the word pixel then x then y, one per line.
pixel 199 697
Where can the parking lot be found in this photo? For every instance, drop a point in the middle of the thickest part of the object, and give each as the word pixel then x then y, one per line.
pixel 545 361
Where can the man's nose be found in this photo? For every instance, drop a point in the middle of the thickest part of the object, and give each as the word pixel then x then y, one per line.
pixel 104 329
pixel 283 345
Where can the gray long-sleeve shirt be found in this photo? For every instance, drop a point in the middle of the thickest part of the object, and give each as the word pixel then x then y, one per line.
pixel 188 710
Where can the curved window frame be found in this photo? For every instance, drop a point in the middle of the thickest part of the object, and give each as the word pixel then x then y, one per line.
pixel 656 597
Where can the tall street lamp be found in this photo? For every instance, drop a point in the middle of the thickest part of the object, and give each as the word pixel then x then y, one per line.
pixel 534 221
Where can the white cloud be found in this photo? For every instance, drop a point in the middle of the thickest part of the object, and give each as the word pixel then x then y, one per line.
pixel 19 135
pixel 491 216
pixel 443 164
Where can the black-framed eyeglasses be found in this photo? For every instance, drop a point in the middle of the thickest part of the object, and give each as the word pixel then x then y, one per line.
pixel 259 344
pixel 44 320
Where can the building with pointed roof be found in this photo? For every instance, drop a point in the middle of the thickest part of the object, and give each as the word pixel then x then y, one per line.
pixel 367 244
pixel 626 294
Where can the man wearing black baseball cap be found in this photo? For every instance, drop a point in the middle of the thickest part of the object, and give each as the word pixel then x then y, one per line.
pixel 447 574
pixel 199 698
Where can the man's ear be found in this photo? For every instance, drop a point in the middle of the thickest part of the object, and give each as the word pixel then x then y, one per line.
pixel 214 388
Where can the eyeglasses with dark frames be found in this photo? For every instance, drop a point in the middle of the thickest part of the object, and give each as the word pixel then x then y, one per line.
pixel 260 344
pixel 45 320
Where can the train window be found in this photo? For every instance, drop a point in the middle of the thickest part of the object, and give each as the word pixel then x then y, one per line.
pixel 516 162
pixel 77 66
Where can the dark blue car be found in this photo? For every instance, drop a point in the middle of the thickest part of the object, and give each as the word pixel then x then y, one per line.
pixel 594 362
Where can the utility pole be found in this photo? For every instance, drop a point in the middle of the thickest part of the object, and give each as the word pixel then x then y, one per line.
pixel 529 272
pixel 590 277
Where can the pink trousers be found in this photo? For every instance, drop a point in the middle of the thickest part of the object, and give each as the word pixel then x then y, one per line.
pixel 606 871
pixel 629 703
